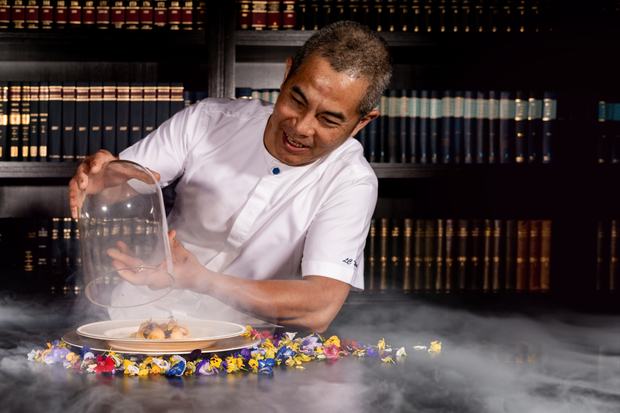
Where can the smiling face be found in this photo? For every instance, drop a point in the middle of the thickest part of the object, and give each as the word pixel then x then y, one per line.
pixel 316 112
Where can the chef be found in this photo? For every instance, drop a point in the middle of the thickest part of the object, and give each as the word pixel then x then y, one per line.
pixel 274 202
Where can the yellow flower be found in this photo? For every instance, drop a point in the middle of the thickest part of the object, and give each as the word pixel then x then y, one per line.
pixel 148 360
pixel 332 340
pixel 268 345
pixel 143 372
pixel 435 347
pixel 190 368
pixel 215 362
pixel 381 344
pixel 253 365
pixel 270 354
pixel 290 361
pixel 295 347
pixel 155 369
pixel 248 332
pixel 304 357
pixel 257 356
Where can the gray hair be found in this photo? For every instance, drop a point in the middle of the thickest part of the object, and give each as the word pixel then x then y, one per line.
pixel 356 50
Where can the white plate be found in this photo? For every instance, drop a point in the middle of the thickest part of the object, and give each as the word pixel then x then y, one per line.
pixel 202 334
pixel 228 344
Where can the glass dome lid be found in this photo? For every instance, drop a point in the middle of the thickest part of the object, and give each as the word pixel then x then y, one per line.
pixel 124 237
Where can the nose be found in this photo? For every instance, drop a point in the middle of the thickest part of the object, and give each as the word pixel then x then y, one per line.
pixel 305 124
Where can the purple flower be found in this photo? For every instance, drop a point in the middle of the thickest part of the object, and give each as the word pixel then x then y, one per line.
pixel 246 354
pixel 195 355
pixel 372 352
pixel 85 350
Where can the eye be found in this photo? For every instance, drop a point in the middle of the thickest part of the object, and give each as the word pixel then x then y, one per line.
pixel 296 101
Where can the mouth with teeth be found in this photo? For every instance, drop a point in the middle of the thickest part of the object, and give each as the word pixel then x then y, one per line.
pixel 291 144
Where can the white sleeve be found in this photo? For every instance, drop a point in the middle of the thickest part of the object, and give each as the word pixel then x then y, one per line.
pixel 165 150
pixel 335 241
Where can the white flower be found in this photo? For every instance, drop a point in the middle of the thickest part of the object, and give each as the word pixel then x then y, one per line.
pixel 401 352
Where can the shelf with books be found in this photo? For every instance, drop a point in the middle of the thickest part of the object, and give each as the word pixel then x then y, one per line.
pixel 42 170
pixel 137 38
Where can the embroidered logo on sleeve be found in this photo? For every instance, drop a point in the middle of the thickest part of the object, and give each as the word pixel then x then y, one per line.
pixel 350 261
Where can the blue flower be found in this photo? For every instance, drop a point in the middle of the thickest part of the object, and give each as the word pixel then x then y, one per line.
pixel 85 350
pixel 265 367
pixel 284 353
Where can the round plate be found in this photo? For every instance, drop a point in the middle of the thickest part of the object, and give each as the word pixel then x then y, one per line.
pixel 72 338
pixel 202 334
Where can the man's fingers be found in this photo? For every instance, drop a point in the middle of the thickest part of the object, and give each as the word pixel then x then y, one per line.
pixel 155 174
pixel 125 248
pixel 126 259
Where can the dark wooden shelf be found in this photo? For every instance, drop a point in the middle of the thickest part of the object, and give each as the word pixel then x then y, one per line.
pixel 559 39
pixel 94 37
pixel 38 169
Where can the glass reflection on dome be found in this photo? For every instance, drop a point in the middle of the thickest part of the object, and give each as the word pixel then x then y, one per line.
pixel 121 214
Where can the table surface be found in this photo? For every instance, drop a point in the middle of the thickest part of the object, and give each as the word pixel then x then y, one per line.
pixel 554 362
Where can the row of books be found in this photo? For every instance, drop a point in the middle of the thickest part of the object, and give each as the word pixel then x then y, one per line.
pixel 607 256
pixel 422 16
pixel 103 14
pixel 66 121
pixel 268 95
pixel 44 251
pixel 608 132
pixel 446 255
pixel 462 127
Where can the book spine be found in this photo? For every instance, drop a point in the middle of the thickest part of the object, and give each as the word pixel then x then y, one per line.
pixel 18 14
pixel 176 97
pixel 47 14
pixel 383 253
pixel 430 253
pixel 244 14
pixel 416 16
pixel 510 255
pixel 487 262
pixel 428 17
pixel 25 122
pixel 439 256
pixel 614 255
pixel 373 132
pixel 535 245
pixel 604 109
pixel 174 15
pixel 95 117
pixel 15 120
pixel 89 14
pixel 377 16
pixel 447 121
pixel 469 127
pixel 108 137
pixel 289 15
pixel 425 112
pixel 75 14
pixel 372 255
pixel 44 96
pixel 407 254
pixel 259 15
pixel 395 254
pixel 497 235
pixel 5 14
pixel 160 19
pixel 615 136
pixel 393 107
pixel 382 131
pixel 122 116
pixel 521 116
pixel 435 116
pixel 163 103
pixel 187 15
pixel 459 113
pixel 403 120
pixel 418 255
pixel 475 254
pixel 506 127
pixel 413 114
pixel 56 255
pixel 274 15
pixel 82 91
pixel 494 121
pixel 67 256
pixel 601 261
pixel 523 232
pixel 118 14
pixel 132 15
pixel 149 108
pixel 548 125
pixel 461 254
pixel 534 120
pixel 545 255
pixel 42 258
pixel 33 15
pixel 34 121
pixel 449 257
pixel 68 122
pixel 61 18
pixel 4 120
pixel 103 15
pixel 146 15
pixel 352 10
pixel 482 128
pixel 135 112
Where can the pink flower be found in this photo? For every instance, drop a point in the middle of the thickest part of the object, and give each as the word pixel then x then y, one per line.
pixel 104 365
pixel 331 351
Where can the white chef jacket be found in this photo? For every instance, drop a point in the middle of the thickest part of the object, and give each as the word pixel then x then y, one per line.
pixel 244 213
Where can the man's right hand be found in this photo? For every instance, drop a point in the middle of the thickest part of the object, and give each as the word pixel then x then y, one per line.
pixel 91 164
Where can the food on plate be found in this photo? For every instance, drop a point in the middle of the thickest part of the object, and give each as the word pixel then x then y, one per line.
pixel 160 331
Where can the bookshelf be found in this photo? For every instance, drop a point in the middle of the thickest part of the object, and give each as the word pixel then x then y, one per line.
pixel 577 59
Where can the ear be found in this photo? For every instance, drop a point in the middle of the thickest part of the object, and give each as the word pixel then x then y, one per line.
pixel 289 63
pixel 364 121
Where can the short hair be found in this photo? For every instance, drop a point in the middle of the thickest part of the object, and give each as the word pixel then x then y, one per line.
pixel 354 49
